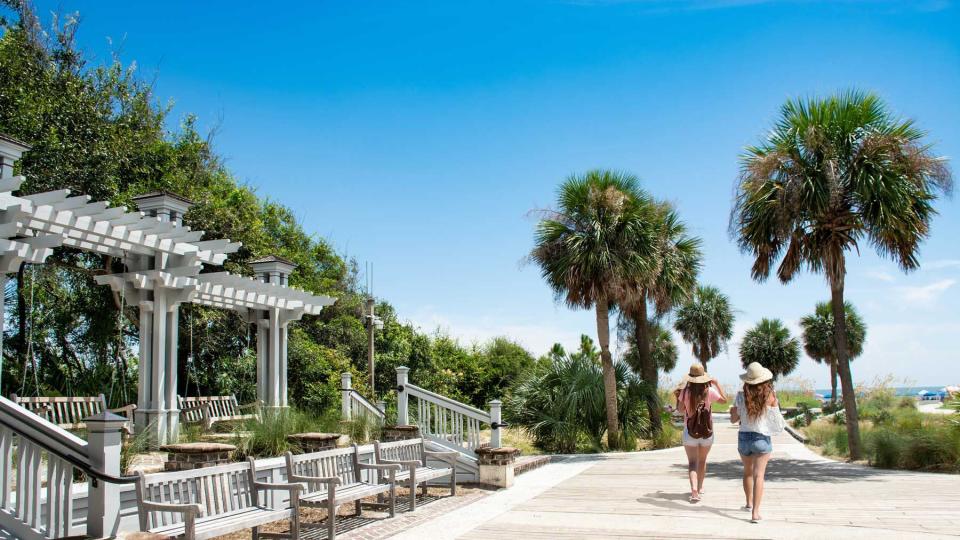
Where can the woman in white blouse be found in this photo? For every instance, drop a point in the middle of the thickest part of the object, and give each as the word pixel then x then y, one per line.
pixel 757 410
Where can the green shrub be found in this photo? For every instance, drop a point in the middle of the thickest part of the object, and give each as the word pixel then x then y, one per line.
pixel 561 405
pixel 268 435
pixel 840 418
pixel 884 448
pixel 669 437
pixel 907 403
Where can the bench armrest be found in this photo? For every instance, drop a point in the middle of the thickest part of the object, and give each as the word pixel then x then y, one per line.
pixel 126 410
pixel 409 464
pixel 328 479
pixel 193 510
pixel 254 405
pixel 449 457
pixel 382 466
pixel 294 486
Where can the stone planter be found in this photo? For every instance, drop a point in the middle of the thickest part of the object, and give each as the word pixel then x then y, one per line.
pixel 400 433
pixel 314 442
pixel 186 456
pixel 496 465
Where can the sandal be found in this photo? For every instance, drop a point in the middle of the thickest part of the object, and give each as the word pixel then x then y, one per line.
pixel 694 497
pixel 746 508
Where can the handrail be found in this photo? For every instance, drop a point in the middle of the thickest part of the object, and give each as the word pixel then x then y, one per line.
pixel 77 462
pixel 463 408
pixel 359 398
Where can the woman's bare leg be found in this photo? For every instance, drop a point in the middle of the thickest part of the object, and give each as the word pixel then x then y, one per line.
pixel 748 467
pixel 692 452
pixel 702 465
pixel 759 471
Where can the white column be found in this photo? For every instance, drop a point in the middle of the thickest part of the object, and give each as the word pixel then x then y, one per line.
pixel 346 384
pixel 283 366
pixel 495 421
pixel 143 414
pixel 158 373
pixel 170 407
pixel 263 338
pixel 103 451
pixel 402 374
pixel 273 377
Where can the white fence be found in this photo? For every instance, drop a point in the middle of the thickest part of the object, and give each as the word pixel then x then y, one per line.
pixel 447 422
pixel 354 406
pixel 38 462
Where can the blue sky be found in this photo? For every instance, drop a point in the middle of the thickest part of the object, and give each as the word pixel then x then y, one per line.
pixel 418 136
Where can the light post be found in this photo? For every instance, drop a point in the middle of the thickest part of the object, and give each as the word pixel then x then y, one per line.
pixel 372 323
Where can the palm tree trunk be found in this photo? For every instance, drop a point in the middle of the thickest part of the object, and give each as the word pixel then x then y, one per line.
pixel 833 379
pixel 843 367
pixel 609 376
pixel 648 370
pixel 703 353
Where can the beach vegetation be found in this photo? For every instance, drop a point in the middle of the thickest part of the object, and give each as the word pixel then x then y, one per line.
pixel 770 344
pixel 834 175
pixel 705 321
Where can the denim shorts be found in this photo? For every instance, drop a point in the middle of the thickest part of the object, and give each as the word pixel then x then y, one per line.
pixel 750 443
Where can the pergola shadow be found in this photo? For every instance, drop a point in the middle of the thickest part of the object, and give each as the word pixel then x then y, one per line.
pixel 790 470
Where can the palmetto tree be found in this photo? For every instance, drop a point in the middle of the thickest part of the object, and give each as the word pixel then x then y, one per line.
pixel 770 344
pixel 819 343
pixel 674 266
pixel 705 321
pixel 599 236
pixel 835 173
pixel 663 350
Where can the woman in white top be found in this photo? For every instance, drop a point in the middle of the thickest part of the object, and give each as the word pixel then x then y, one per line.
pixel 757 410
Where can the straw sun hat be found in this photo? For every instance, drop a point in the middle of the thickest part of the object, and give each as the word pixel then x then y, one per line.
pixel 696 375
pixel 756 374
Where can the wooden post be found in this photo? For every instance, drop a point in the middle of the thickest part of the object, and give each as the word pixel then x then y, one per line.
pixel 495 420
pixel 402 374
pixel 103 453
pixel 346 386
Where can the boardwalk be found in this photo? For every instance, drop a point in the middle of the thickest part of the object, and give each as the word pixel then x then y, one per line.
pixel 644 495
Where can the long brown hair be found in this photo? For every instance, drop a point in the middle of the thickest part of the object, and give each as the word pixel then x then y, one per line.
pixel 755 396
pixel 696 394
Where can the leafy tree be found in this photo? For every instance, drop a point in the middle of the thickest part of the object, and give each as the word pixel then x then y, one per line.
pixel 705 321
pixel 663 351
pixel 819 343
pixel 834 173
pixel 587 249
pixel 770 344
pixel 672 276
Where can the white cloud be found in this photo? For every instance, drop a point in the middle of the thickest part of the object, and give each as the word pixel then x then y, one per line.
pixel 925 295
pixel 941 264
pixel 881 276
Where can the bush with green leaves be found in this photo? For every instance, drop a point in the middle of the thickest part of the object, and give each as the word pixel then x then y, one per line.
pixel 560 404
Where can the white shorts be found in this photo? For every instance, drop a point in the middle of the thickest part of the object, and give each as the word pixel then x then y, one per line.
pixel 690 441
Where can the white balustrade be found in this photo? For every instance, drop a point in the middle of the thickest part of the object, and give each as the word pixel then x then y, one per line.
pixel 354 405
pixel 447 422
pixel 38 461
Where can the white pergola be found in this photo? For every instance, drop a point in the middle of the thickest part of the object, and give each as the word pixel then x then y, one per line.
pixel 163 260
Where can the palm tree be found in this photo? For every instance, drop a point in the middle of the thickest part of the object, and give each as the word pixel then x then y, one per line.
pixel 770 344
pixel 706 322
pixel 675 263
pixel 818 339
pixel 599 236
pixel 663 350
pixel 835 173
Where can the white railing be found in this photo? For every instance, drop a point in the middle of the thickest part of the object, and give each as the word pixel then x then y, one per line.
pixel 354 405
pixel 38 461
pixel 447 422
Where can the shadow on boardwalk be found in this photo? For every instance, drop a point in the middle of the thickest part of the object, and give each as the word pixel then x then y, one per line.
pixel 784 469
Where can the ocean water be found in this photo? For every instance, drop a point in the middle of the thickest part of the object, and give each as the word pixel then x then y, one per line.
pixel 912 391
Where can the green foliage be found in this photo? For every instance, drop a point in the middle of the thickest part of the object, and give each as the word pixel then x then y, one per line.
pixel 705 321
pixel 663 350
pixel 561 405
pixel 267 436
pixel 770 344
pixel 97 130
pixel 818 341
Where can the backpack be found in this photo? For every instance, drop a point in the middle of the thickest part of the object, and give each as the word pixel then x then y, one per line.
pixel 700 423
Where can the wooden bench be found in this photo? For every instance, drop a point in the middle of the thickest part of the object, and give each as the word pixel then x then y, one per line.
pixel 209 410
pixel 412 456
pixel 69 412
pixel 211 501
pixel 335 477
